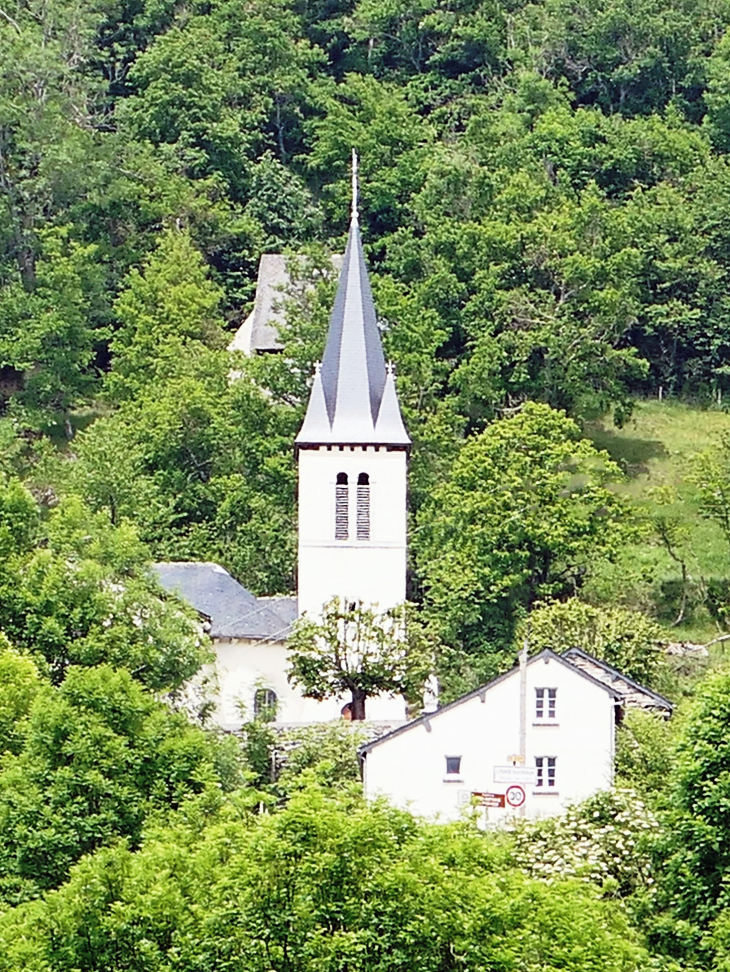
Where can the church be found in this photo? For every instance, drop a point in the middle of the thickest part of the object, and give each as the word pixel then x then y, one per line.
pixel 352 456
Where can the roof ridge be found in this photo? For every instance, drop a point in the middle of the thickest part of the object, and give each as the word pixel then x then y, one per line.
pixel 482 689
pixel 618 674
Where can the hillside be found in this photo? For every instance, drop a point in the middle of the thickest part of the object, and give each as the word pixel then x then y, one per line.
pixel 656 449
pixel 544 208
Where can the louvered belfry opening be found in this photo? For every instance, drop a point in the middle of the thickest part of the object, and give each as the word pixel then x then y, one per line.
pixel 342 507
pixel 363 507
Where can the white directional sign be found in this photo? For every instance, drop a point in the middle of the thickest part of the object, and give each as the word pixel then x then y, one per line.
pixel 515 774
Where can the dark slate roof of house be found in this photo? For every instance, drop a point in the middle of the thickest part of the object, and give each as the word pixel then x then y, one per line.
pixel 353 398
pixel 633 694
pixel 260 330
pixel 425 719
pixel 233 611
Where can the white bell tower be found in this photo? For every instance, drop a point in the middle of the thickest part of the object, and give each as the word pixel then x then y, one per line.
pixel 353 452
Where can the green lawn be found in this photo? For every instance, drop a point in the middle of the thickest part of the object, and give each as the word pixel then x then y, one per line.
pixel 655 449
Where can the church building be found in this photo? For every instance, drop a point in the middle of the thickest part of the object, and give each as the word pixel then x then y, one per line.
pixel 352 453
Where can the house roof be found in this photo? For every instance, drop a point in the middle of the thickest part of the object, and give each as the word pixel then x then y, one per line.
pixel 234 612
pixel 483 689
pixel 353 399
pixel 260 331
pixel 632 693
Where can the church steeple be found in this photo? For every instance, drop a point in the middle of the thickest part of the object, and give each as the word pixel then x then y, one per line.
pixel 353 386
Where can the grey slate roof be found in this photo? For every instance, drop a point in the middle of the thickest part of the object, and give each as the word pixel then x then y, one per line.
pixel 233 611
pixel 260 331
pixel 633 694
pixel 426 718
pixel 353 399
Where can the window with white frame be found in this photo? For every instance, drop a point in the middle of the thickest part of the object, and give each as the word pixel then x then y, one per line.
pixel 545 766
pixel 342 507
pixel 545 704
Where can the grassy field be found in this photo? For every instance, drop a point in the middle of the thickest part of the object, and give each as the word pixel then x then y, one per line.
pixel 655 449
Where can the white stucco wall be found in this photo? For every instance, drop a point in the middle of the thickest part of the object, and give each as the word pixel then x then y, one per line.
pixel 244 667
pixel 409 768
pixel 372 571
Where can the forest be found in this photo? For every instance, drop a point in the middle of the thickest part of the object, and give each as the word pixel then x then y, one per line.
pixel 545 208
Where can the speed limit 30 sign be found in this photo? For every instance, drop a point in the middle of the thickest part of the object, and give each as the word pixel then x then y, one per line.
pixel 515 795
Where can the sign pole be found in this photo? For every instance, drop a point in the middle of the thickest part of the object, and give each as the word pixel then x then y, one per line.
pixel 523 700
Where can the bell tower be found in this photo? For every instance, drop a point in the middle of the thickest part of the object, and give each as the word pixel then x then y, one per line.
pixel 352 454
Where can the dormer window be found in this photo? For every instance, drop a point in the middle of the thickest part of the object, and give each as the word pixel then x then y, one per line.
pixel 363 507
pixel 342 507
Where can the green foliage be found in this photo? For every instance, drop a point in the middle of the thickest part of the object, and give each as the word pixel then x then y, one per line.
pixel 627 640
pixel 20 682
pixel 711 476
pixel 167 311
pixel 328 751
pixel 45 336
pixel 85 597
pixel 100 756
pixel 645 754
pixel 606 840
pixel 526 511
pixel 324 883
pixel 354 649
pixel 695 843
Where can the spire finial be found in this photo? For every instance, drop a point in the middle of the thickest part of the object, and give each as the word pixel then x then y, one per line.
pixel 354 186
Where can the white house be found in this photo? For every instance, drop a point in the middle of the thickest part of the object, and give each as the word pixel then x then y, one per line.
pixel 352 454
pixel 530 742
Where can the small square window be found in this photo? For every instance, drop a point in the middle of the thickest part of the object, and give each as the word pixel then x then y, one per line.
pixel 453 765
pixel 546 704
pixel 545 766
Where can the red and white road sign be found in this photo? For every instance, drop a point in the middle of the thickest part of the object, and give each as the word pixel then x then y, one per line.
pixel 515 796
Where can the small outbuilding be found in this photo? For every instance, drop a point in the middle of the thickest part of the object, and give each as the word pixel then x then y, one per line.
pixel 529 743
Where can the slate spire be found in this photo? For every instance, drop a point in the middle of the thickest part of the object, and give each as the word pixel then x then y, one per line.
pixel 352 387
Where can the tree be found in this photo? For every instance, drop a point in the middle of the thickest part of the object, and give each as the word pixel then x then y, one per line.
pixel 694 844
pixel 711 477
pixel 627 640
pixel 100 755
pixel 46 335
pixel 645 754
pixel 526 511
pixel 168 311
pixel 20 682
pixel 330 882
pixel 83 596
pixel 354 649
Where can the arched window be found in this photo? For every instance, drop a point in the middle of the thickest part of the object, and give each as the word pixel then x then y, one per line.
pixel 264 705
pixel 342 507
pixel 363 507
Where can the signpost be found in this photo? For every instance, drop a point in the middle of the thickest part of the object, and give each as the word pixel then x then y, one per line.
pixel 515 774
pixel 481 799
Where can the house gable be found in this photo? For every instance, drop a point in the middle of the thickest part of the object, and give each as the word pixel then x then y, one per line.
pixel 482 692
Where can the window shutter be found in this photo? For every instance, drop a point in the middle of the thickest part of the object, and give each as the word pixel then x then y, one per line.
pixel 363 507
pixel 341 512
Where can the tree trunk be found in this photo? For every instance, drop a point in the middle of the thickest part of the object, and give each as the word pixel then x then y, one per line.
pixel 357 705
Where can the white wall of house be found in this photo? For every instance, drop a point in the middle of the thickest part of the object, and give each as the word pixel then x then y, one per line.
pixel 243 667
pixel 410 768
pixel 373 570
